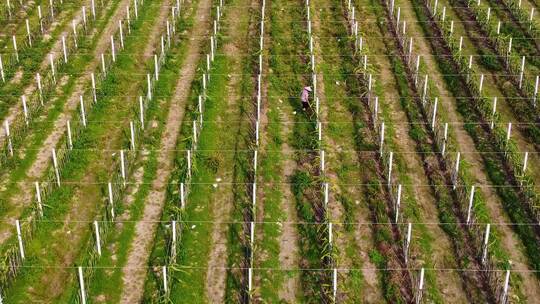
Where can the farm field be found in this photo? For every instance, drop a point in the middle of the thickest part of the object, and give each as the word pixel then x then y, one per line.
pixel 269 151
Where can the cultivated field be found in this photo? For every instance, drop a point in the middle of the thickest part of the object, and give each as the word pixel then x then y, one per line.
pixel 162 151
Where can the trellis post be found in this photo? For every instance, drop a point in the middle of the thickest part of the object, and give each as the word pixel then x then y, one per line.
pixel 40 17
pixel 407 243
pixel 15 48
pixel 25 109
pixel 123 166
pixel 381 144
pixel 508 134
pixel 469 209
pixel 8 136
pixel 38 199
pixel 326 194
pixel 64 48
pixel 111 200
pixel 535 90
pixel 28 33
pixel 434 115
pixel 504 297
pixel 121 34
pixel 93 5
pixel 149 84
pixel 81 285
pixel 74 27
pixel 94 95
pixel 456 171
pixel 445 139
pixel 98 239
pixel 141 112
pixel 113 53
pixel 164 271
pixel 189 162
pixel 156 67
pixel 398 203
pixel 334 284
pixel 493 112
pixel 182 195
pixel 173 243
pixel 2 74
pixel 132 133
pixel 70 139
pixel 55 165
pixel 103 67
pixel 391 158
pixel 40 88
pixel 521 71
pixel 83 112
pixel 84 17
pixel 524 168
pixel 485 244
pixel 19 238
pixel 420 290
pixel 322 161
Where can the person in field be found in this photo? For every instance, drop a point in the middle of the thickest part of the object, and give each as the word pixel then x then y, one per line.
pixel 305 98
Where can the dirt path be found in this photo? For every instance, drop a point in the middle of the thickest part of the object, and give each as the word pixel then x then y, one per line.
pixel 134 272
pixel 288 242
pixel 216 270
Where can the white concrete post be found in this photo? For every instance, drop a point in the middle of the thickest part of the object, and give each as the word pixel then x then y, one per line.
pixel 111 200
pixel 123 166
pixel 485 245
pixel 19 238
pixel 113 53
pixel 83 112
pixel 469 209
pixel 141 112
pixel 15 48
pixel 132 133
pixel 8 136
pixel 398 204
pixel 70 139
pixel 494 111
pixel 456 171
pixel 81 285
pixel 98 239
pixel 64 48
pixel 38 199
pixel 407 243
pixel 25 109
pixel 391 159
pixel 55 165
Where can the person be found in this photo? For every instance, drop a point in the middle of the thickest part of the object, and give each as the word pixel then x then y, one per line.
pixel 305 97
